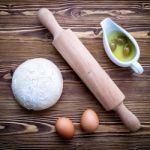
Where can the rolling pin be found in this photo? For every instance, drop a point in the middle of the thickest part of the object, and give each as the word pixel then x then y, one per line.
pixel 88 69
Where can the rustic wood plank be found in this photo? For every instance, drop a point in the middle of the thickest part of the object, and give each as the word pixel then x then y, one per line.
pixel 72 13
pixel 23 37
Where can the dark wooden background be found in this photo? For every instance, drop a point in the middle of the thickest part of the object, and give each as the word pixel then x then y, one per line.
pixel 23 37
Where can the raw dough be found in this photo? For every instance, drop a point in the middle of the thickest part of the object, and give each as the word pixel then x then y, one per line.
pixel 37 84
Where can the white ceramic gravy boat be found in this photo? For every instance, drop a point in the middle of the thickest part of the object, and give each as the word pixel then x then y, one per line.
pixel 108 26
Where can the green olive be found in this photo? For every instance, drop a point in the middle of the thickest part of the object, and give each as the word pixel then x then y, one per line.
pixel 113 45
pixel 126 50
pixel 121 40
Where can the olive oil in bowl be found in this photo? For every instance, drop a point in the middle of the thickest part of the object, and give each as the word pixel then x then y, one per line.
pixel 121 46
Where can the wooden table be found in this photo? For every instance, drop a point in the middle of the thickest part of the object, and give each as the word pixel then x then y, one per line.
pixel 23 37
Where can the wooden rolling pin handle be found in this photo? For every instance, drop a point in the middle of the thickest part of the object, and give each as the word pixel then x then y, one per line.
pixel 48 20
pixel 128 118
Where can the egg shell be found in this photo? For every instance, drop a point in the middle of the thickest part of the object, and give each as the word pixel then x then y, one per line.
pixel 89 121
pixel 65 128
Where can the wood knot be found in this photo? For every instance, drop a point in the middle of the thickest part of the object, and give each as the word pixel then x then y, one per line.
pixel 75 12
pixel 9 6
pixel 96 31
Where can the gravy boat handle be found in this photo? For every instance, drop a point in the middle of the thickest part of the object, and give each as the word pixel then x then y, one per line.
pixel 136 67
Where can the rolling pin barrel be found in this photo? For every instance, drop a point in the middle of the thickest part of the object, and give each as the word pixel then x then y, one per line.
pixel 88 69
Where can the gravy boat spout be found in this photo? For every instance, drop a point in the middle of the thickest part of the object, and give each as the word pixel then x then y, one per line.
pixel 108 27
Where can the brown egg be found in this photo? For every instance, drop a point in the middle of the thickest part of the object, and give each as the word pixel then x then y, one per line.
pixel 65 128
pixel 89 121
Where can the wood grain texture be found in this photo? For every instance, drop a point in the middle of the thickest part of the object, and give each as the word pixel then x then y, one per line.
pixel 23 37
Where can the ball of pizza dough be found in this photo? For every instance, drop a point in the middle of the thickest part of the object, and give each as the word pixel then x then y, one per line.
pixel 37 84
